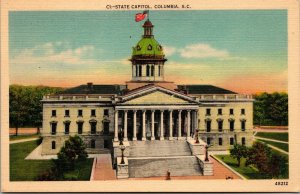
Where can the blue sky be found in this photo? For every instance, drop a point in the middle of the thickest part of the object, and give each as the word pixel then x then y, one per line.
pixel 245 50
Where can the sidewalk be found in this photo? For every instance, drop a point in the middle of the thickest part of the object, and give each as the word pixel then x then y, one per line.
pixel 103 168
pixel 23 140
pixel 274 140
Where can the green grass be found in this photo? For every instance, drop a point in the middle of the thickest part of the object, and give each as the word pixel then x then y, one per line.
pixel 19 137
pixel 277 136
pixel 282 146
pixel 28 170
pixel 248 172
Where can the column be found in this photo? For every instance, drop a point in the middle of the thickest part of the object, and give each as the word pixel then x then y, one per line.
pixel 134 125
pixel 179 124
pixel 197 123
pixel 125 125
pixel 152 125
pixel 116 125
pixel 161 125
pixel 188 124
pixel 171 125
pixel 144 126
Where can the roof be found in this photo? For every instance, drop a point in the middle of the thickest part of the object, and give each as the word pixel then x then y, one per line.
pixel 95 89
pixel 148 46
pixel 204 89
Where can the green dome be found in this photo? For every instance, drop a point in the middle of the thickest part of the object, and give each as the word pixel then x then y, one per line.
pixel 148 46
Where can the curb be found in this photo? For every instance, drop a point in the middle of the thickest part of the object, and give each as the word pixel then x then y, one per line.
pixel 93 170
pixel 223 163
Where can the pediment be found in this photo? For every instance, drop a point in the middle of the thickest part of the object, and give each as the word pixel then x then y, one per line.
pixel 157 95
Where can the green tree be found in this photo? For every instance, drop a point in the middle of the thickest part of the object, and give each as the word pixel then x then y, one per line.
pixel 74 149
pixel 238 151
pixel 277 166
pixel 258 155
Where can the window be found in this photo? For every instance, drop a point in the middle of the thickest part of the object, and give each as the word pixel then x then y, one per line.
pixel 152 70
pixel 80 113
pixel 67 113
pixel 106 112
pixel 106 128
pixel 148 70
pixel 208 141
pixel 220 126
pixel 208 126
pixel 231 125
pixel 242 111
pixel 106 144
pixel 231 111
pixel 208 111
pixel 53 114
pixel 158 70
pixel 53 128
pixel 219 111
pixel 93 112
pixel 80 126
pixel 231 141
pixel 149 47
pixel 93 127
pixel 93 143
pixel 67 127
pixel 53 145
pixel 220 141
pixel 243 141
pixel 136 70
pixel 243 125
pixel 140 71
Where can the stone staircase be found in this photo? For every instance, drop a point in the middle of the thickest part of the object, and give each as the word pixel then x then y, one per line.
pixel 159 148
pixel 155 158
pixel 151 167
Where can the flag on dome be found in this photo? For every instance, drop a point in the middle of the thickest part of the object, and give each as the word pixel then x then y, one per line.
pixel 141 16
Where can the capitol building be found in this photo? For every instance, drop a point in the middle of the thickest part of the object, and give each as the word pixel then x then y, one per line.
pixel 157 119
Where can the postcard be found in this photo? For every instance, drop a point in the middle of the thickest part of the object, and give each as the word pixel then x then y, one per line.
pixel 160 96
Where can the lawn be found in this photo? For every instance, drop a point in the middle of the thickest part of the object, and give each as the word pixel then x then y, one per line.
pixel 282 146
pixel 28 170
pixel 277 136
pixel 249 172
pixel 19 137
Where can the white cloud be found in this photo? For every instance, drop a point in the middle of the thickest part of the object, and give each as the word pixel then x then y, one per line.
pixel 202 51
pixel 168 50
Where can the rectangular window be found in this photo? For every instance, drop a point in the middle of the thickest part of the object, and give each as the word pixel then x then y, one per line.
pixel 106 128
pixel 231 123
pixel 67 113
pixel 93 127
pixel 208 141
pixel 106 112
pixel 53 128
pixel 242 111
pixel 220 126
pixel 220 141
pixel 93 143
pixel 53 145
pixel 93 112
pixel 231 111
pixel 208 111
pixel 208 126
pixel 231 141
pixel 67 128
pixel 243 141
pixel 243 125
pixel 219 111
pixel 80 113
pixel 53 114
pixel 80 126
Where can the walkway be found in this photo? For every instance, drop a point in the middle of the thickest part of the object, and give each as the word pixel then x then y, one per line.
pixel 220 172
pixel 103 170
pixel 275 129
pixel 23 140
pixel 274 140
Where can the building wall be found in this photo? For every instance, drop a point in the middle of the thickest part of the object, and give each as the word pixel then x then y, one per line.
pixel 226 134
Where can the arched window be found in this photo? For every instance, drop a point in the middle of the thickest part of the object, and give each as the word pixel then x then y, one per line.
pixel 152 70
pixel 243 141
pixel 67 127
pixel 93 143
pixel 220 141
pixel 53 145
pixel 53 128
pixel 93 124
pixel 148 70
pixel 140 71
pixel 79 126
pixel 220 125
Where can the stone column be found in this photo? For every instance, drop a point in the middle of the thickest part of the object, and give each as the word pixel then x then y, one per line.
pixel 171 125
pixel 152 125
pixel 188 124
pixel 161 125
pixel 179 124
pixel 125 125
pixel 144 126
pixel 197 124
pixel 134 125
pixel 116 125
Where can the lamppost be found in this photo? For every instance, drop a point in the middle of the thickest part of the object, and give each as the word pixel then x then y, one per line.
pixel 206 153
pixel 196 136
pixel 122 147
pixel 121 137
